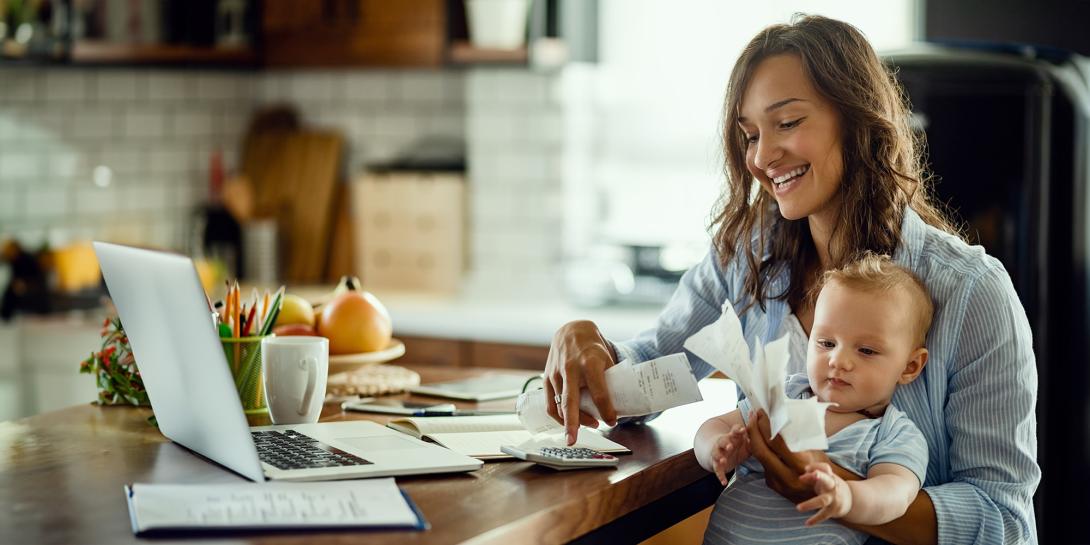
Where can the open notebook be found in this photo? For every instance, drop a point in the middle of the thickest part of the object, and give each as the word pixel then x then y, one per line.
pixel 482 436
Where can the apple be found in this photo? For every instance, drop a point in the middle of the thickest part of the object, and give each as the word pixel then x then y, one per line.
pixel 355 321
pixel 295 310
pixel 294 330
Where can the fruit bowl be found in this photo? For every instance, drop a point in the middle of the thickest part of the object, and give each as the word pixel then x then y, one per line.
pixel 348 362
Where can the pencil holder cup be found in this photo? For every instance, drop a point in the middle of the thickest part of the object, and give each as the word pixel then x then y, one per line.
pixel 244 360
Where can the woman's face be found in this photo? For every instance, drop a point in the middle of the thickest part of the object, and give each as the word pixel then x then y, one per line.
pixel 793 139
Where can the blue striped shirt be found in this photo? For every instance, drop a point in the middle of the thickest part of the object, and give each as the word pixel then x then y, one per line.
pixel 749 512
pixel 974 401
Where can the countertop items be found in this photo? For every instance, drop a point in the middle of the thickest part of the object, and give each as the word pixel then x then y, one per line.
pixel 508 502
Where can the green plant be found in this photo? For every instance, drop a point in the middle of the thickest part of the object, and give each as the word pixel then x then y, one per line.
pixel 114 367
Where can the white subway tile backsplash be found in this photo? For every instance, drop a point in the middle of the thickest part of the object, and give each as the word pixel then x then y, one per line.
pixel 91 200
pixel 233 123
pixel 545 127
pixel 419 87
pixel 271 87
pixel 330 118
pixel 370 86
pixel 11 204
pixel 148 196
pixel 192 123
pixel 164 159
pixel 45 201
pixel 94 124
pixel 126 86
pixel 42 127
pixel 454 93
pixel 64 164
pixel 156 129
pixel 122 160
pixel 310 87
pixel 20 166
pixel 490 128
pixel 164 233
pixel 395 125
pixel 441 123
pixel 61 86
pixel 168 86
pixel 184 194
pixel 483 87
pixel 217 87
pixel 141 124
pixel 9 126
pixel 20 86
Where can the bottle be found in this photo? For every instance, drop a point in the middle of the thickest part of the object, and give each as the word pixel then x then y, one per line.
pixel 222 236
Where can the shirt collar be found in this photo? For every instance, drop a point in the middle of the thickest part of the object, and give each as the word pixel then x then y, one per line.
pixel 913 234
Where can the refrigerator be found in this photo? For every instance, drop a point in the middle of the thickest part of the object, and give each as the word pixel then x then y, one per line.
pixel 1006 132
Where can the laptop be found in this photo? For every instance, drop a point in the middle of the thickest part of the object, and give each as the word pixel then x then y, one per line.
pixel 169 324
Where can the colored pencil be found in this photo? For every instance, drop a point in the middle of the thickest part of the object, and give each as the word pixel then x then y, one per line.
pixel 274 311
pixel 264 310
pixel 250 320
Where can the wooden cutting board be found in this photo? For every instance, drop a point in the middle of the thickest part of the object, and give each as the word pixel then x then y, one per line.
pixel 295 175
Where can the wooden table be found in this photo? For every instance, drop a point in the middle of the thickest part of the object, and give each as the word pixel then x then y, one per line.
pixel 61 478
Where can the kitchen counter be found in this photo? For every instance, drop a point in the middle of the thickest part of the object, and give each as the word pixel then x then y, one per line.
pixel 530 321
pixel 40 369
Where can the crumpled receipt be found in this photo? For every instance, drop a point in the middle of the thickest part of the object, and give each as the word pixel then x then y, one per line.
pixel 801 422
pixel 635 389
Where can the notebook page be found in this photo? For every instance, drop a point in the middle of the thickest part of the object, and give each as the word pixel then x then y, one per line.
pixel 430 425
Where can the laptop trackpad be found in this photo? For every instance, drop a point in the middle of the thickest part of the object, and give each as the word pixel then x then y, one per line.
pixel 381 442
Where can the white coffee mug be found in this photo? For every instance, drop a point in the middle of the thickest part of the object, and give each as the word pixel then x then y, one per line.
pixel 295 371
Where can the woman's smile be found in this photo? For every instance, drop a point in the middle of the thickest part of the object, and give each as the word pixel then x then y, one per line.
pixel 783 184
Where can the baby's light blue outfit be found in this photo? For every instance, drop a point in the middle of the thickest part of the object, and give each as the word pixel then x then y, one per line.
pixel 749 512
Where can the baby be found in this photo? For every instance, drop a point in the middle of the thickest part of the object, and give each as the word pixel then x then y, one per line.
pixel 870 321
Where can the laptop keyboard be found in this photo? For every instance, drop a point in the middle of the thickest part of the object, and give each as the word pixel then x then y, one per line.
pixel 293 450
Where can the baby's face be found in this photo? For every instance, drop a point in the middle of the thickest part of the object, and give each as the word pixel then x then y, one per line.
pixel 860 346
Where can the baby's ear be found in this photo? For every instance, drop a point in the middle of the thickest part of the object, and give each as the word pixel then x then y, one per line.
pixel 917 361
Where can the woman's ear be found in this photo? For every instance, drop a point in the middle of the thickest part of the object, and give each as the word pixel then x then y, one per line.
pixel 917 361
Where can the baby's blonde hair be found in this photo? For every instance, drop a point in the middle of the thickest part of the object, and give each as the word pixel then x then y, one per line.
pixel 877 273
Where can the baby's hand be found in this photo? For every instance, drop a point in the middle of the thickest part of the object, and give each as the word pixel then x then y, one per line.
pixel 729 450
pixel 834 497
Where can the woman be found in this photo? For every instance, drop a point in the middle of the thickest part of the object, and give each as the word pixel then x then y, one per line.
pixel 812 115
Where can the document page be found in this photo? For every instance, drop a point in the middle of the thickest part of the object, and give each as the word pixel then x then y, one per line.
pixel 358 503
pixel 635 389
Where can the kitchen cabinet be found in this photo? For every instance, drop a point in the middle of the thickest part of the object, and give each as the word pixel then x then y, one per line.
pixel 406 33
pixel 469 353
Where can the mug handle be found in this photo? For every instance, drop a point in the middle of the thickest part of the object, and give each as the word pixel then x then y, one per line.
pixel 310 363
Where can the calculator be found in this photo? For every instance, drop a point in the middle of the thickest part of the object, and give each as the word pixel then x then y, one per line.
pixel 563 457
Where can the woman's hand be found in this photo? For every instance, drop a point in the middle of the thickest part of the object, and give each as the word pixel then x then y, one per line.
pixel 834 496
pixel 578 357
pixel 783 467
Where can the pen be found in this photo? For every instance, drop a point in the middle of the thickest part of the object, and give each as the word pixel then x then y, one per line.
pixel 458 412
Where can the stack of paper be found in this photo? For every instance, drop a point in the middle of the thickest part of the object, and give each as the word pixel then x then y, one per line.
pixel 800 421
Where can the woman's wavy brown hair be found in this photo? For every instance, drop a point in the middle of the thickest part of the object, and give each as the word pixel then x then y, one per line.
pixel 883 165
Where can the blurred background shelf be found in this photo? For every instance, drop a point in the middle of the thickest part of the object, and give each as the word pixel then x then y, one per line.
pixel 103 53
pixel 462 52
